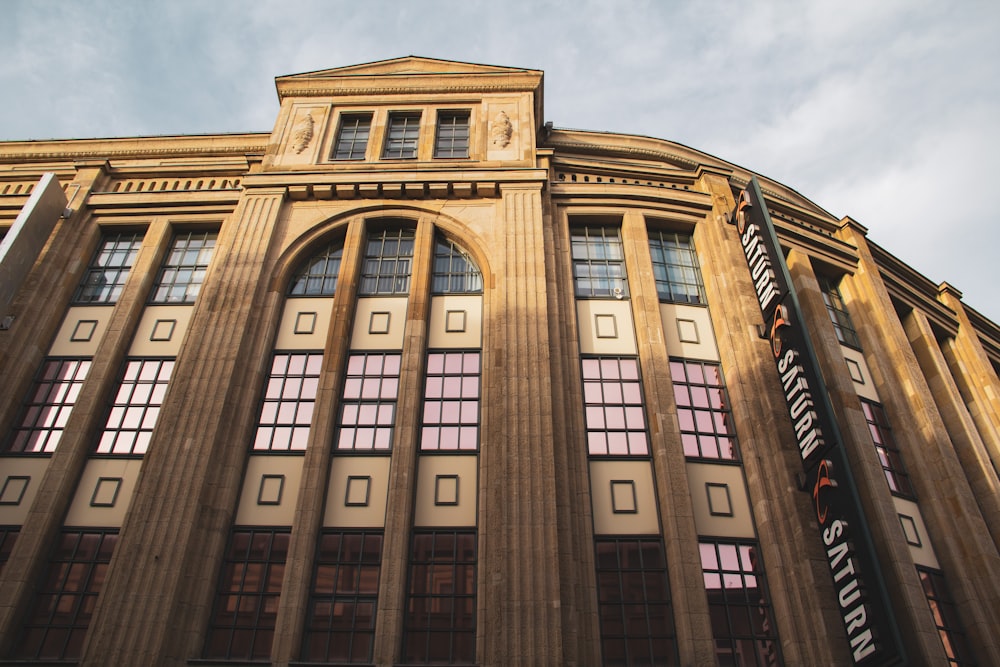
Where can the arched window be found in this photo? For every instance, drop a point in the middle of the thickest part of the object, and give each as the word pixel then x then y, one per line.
pixel 454 270
pixel 318 275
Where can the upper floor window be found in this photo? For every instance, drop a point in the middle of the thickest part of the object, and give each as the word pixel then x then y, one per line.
pixel 48 407
pixel 943 608
pixel 108 270
pixel 352 136
pixel 401 137
pixel 136 407
pixel 451 401
pixel 846 333
pixel 318 276
pixel 599 262
pixel 388 261
pixel 612 396
pixel 703 410
pixel 675 267
pixel 183 272
pixel 885 447
pixel 452 137
pixel 289 399
pixel 454 271
pixel 368 407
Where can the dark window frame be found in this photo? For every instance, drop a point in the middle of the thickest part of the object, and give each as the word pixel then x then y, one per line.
pixel 614 407
pixel 402 135
pixel 440 397
pixel 844 327
pixel 368 403
pixel 452 134
pixel 288 402
pixel 887 450
pixel 115 256
pixel 318 275
pixel 128 429
pixel 675 268
pixel 388 262
pixel 704 415
pixel 353 135
pixel 48 405
pixel 598 257
pixel 454 270
pixel 946 619
pixel 182 271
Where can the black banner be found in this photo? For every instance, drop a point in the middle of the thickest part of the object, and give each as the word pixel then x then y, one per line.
pixel 861 595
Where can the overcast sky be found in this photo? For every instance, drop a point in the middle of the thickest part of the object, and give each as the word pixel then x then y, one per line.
pixel 885 110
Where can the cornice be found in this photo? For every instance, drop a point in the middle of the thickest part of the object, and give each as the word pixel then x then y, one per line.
pixel 328 90
pixel 131 147
pixel 629 151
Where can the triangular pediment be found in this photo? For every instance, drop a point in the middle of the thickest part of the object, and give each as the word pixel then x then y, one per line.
pixel 405 66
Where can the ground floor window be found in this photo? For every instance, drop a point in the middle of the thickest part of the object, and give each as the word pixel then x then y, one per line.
pixel 945 616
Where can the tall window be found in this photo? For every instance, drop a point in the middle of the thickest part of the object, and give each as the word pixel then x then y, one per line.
pixel 598 262
pixel 352 136
pixel 439 622
pixel 401 138
pixel 48 406
pixel 388 262
pixel 246 604
pixel 675 267
pixel 289 399
pixel 340 625
pixel 846 333
pixel 703 410
pixel 136 407
pixel 56 627
pixel 945 614
pixel 108 270
pixel 633 600
pixel 451 402
pixel 452 137
pixel 738 604
pixel 183 272
pixel 318 277
pixel 612 395
pixel 454 271
pixel 368 407
pixel 885 447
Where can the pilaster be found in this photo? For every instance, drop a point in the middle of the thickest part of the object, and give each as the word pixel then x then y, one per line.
pixel 519 558
pixel 158 588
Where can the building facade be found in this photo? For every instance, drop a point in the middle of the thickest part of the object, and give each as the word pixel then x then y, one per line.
pixel 416 378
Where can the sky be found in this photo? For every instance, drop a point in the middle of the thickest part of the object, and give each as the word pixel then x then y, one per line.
pixel 886 111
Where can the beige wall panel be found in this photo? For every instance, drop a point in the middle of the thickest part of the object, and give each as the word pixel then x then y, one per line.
pixel 303 135
pixel 606 327
pixel 357 492
pixel 688 331
pixel 916 533
pixel 379 323
pixel 624 498
pixel 719 497
pixel 456 321
pixel 858 369
pixel 304 324
pixel 506 130
pixel 81 331
pixel 270 491
pixel 104 493
pixel 446 491
pixel 20 479
pixel 161 331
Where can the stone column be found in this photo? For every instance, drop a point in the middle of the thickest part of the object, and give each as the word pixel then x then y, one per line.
pixel 162 577
pixel 519 556
pixel 969 447
pixel 687 589
pixel 311 503
pixel 974 374
pixel 961 540
pixel 804 603
pixel 403 471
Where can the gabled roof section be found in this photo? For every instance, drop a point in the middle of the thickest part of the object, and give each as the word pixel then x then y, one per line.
pixel 413 75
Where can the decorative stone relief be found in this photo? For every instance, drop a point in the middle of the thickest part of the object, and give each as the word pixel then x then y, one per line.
pixel 502 130
pixel 303 133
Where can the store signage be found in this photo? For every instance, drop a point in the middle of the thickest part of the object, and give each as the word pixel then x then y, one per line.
pixel 864 604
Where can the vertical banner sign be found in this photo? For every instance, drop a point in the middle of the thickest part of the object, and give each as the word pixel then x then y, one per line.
pixel 861 595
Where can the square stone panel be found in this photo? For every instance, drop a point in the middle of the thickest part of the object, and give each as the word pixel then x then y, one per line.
pixel 378 323
pixel 270 490
pixel 305 323
pixel 623 498
pixel 446 490
pixel 454 321
pixel 854 368
pixel 605 325
pixel 106 492
pixel 687 331
pixel 719 501
pixel 163 330
pixel 358 491
pixel 83 331
pixel 13 490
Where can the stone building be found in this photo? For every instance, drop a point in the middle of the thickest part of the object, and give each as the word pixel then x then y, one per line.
pixel 416 378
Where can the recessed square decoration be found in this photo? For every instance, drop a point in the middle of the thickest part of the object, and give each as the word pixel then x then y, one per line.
pixel 378 323
pixel 358 491
pixel 910 531
pixel 163 330
pixel 605 325
pixel 854 368
pixel 83 331
pixel 454 321
pixel 106 492
pixel 623 499
pixel 687 331
pixel 12 491
pixel 719 502
pixel 305 323
pixel 446 490
pixel 271 487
